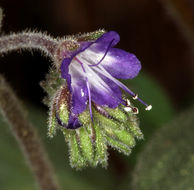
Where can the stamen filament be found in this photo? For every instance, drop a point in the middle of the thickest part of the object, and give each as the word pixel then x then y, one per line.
pixel 90 100
pixel 103 55
pixel 80 63
pixel 102 71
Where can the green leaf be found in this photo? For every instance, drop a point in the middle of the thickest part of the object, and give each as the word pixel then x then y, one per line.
pixel 167 162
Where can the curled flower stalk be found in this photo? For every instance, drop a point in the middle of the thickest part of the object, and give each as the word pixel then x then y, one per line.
pixel 30 41
pixel 85 99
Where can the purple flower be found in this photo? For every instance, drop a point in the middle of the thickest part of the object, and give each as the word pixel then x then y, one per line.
pixel 91 73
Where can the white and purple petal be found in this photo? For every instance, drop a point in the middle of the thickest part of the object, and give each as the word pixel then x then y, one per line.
pixel 121 64
pixel 65 71
pixel 108 37
pixel 78 87
pixel 109 96
pixel 104 92
pixel 73 74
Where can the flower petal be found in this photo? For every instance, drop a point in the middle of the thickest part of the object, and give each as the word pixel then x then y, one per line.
pixel 79 98
pixel 106 38
pixel 109 95
pixel 121 64
pixel 73 122
pixel 65 71
pixel 78 87
pixel 109 39
pixel 74 75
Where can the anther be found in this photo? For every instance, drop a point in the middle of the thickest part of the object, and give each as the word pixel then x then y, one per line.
pixel 135 110
pixel 135 97
pixel 149 107
pixel 128 109
pixel 128 103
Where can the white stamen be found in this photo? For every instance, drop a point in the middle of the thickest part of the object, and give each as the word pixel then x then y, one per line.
pixel 128 102
pixel 127 109
pixel 148 108
pixel 135 97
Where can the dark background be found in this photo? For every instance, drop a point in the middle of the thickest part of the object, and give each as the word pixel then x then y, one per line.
pixel 146 29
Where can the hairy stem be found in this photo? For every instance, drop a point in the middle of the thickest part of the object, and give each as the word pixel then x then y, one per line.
pixel 27 137
pixel 28 40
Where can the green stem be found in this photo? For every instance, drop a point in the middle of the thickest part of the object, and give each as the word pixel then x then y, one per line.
pixel 27 137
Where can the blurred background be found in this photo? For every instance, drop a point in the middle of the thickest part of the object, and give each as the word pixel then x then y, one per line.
pixel 160 33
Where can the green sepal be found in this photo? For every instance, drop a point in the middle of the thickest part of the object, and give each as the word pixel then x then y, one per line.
pixel 85 118
pixel 76 159
pixel 86 145
pixel 52 126
pixel 64 113
pixel 107 122
pixel 90 36
pixel 52 122
pixel 125 137
pixel 51 85
pixel 121 140
pixel 118 145
pixel 118 114
pixel 133 125
pixel 101 155
pixel 96 137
